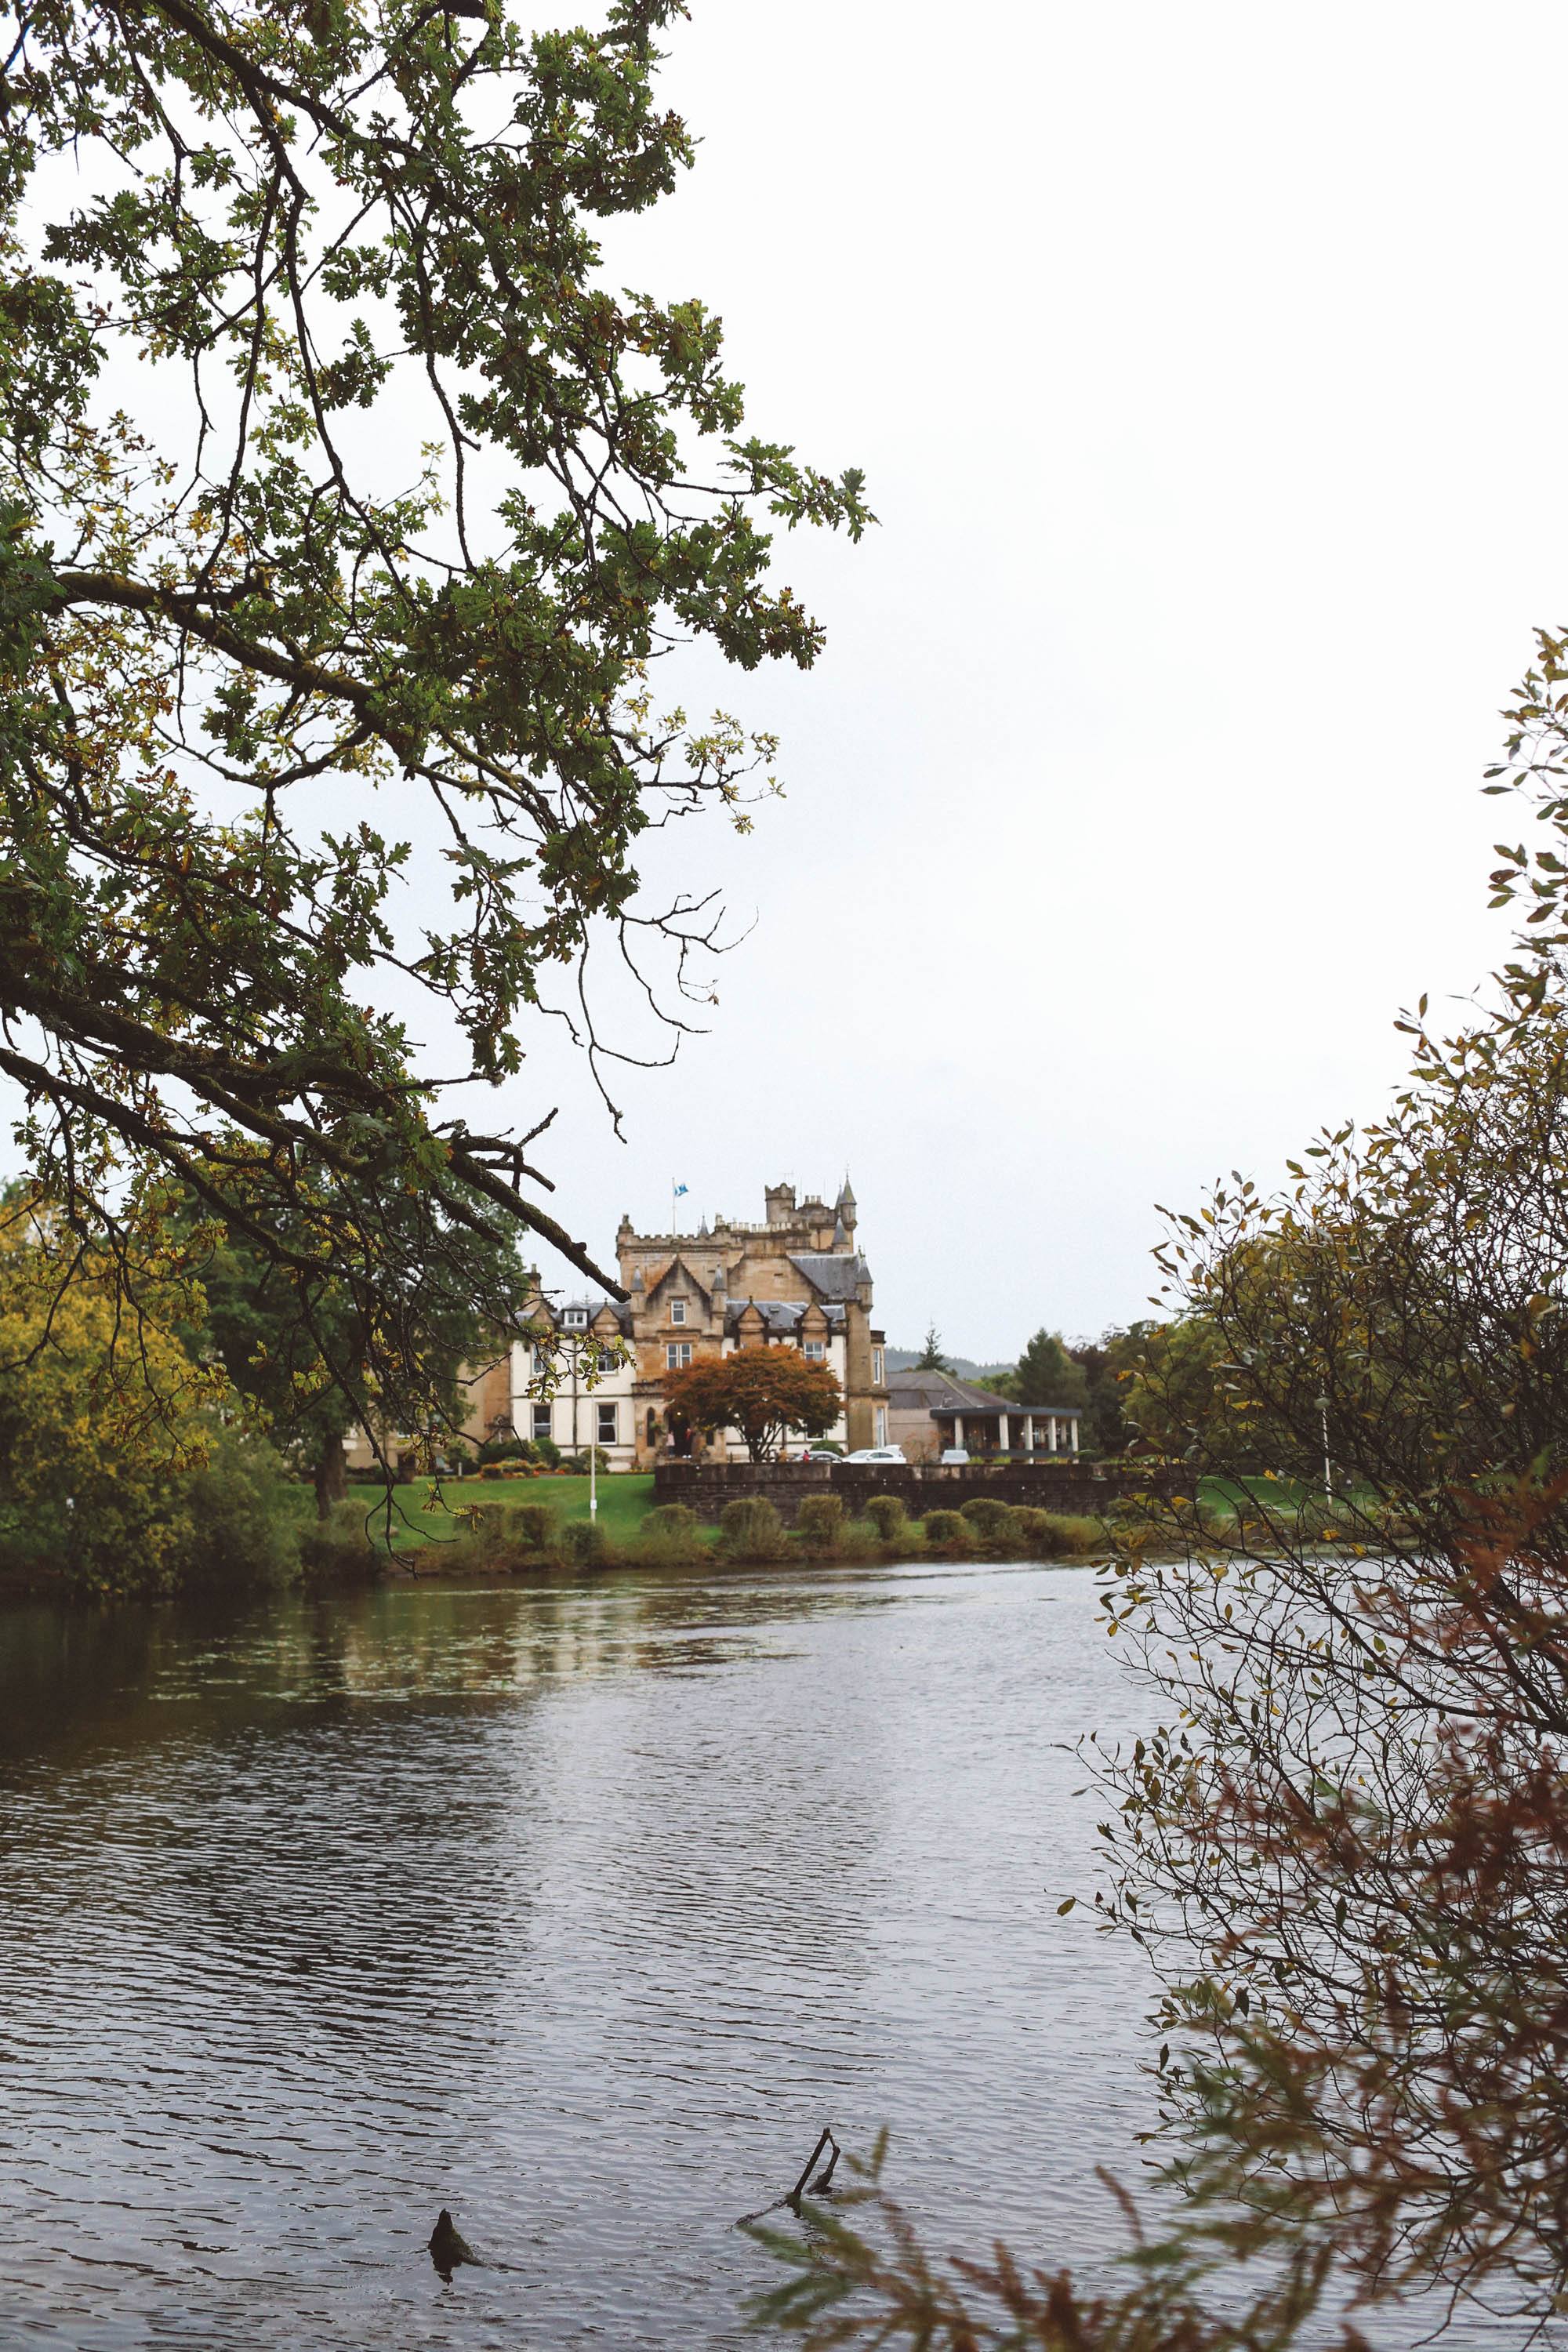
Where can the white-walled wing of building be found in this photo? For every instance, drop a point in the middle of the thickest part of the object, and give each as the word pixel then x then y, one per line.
pixel 796 1279
pixel 585 1370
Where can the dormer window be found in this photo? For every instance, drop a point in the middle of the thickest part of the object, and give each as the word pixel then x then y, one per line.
pixel 678 1310
pixel 575 1319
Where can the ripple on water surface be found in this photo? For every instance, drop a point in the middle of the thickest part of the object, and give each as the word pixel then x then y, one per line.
pixel 577 1910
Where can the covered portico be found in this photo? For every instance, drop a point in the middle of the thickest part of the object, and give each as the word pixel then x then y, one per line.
pixel 929 1412
pixel 1010 1429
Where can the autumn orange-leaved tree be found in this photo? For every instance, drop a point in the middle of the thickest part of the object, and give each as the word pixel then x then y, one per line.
pixel 764 1392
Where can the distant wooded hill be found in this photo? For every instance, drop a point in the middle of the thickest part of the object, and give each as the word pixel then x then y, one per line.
pixel 900 1358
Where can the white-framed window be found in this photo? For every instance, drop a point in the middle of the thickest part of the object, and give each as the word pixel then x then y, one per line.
pixel 607 1431
pixel 678 1310
pixel 677 1355
pixel 815 1351
pixel 541 1420
pixel 878 1360
pixel 574 1318
pixel 608 1361
pixel 881 1424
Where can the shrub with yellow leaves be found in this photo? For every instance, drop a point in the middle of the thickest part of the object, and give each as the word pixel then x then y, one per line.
pixel 103 1411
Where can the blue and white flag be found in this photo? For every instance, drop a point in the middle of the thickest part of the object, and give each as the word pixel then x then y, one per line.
pixel 677 1189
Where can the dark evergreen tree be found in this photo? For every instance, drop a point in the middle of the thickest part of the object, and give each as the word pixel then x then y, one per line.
pixel 1106 1364
pixel 1047 1374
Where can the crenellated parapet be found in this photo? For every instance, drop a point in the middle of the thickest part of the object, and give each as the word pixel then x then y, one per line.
pixel 797 1278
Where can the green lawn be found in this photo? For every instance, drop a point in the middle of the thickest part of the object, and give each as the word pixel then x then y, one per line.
pixel 1276 1494
pixel 624 1497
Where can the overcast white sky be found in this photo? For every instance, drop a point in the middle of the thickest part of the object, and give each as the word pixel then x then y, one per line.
pixel 1208 365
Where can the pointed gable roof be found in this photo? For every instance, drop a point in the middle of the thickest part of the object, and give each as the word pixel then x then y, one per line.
pixel 678 1263
pixel 830 1273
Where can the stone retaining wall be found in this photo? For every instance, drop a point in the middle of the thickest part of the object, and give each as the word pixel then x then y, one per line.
pixel 706 1486
pixel 1076 1488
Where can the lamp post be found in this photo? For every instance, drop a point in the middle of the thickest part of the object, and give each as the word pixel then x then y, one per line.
pixel 577 1376
pixel 593 1467
pixel 1328 1466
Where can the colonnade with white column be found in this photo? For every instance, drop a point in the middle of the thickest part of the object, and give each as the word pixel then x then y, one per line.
pixel 1060 1430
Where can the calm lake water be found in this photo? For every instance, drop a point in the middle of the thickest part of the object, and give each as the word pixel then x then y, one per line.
pixel 579 1910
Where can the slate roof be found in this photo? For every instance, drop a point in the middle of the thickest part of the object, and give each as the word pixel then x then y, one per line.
pixel 780 1314
pixel 915 1391
pixel 555 1309
pixel 830 1275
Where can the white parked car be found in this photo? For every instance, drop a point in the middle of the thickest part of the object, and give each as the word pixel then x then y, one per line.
pixel 878 1454
pixel 953 1455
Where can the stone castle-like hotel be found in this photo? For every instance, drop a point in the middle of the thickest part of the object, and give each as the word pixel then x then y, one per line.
pixel 795 1280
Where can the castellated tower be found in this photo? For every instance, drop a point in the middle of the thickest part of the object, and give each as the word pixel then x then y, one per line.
pixel 797 1279
pixel 583 1370
pixel 780 1200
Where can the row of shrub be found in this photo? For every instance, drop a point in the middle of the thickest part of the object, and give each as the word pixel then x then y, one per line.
pixel 244 1520
pixel 520 1536
pixel 512 1457
pixel 983 1525
pixel 525 1450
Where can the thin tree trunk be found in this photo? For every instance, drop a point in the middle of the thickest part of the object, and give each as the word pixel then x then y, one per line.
pixel 331 1477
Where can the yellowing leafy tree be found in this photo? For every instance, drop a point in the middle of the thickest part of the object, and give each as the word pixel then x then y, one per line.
pixel 103 1411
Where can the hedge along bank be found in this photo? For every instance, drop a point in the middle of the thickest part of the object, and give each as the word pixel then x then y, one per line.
pixel 531 1537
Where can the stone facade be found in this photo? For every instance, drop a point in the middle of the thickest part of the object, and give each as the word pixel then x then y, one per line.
pixel 797 1279
pixel 485 1401
pixel 592 1370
